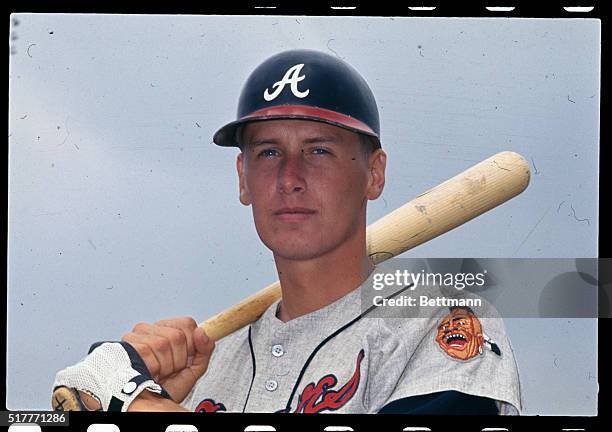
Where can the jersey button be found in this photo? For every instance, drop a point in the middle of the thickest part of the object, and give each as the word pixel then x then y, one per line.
pixel 277 350
pixel 271 385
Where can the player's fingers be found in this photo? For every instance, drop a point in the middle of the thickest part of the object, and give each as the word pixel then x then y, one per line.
pixel 145 352
pixel 183 322
pixel 204 348
pixel 162 350
pixel 186 325
pixel 202 342
pixel 142 327
pixel 177 343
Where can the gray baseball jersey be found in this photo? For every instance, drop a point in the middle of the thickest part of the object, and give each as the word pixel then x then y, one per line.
pixel 338 359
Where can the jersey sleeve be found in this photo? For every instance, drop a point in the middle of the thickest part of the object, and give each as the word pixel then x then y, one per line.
pixel 453 351
pixel 442 403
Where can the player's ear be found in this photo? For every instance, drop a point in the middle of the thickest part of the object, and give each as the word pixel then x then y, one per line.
pixel 245 196
pixel 377 162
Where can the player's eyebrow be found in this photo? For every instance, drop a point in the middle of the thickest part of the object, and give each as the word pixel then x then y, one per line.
pixel 255 143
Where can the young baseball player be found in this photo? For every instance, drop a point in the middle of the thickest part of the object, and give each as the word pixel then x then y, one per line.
pixel 310 159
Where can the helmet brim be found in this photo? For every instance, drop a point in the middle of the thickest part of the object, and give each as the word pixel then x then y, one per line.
pixel 226 136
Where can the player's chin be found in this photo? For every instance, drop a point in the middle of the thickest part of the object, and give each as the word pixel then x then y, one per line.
pixel 296 248
pixel 296 254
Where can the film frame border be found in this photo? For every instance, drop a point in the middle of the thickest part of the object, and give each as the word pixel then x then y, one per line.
pixel 417 9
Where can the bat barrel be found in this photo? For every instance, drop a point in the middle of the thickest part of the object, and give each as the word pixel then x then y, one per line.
pixel 448 205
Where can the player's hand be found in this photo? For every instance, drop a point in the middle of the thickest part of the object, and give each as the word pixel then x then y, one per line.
pixel 176 352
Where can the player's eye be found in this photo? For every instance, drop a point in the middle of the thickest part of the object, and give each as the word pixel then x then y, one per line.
pixel 461 322
pixel 320 151
pixel 267 153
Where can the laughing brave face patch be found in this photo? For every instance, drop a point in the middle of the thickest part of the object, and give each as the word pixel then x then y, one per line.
pixel 460 334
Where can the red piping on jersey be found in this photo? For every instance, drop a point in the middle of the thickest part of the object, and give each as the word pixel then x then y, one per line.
pixel 321 396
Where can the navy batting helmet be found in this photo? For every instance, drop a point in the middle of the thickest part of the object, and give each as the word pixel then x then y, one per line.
pixel 309 85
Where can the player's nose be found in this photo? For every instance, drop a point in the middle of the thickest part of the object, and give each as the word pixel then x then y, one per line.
pixel 291 176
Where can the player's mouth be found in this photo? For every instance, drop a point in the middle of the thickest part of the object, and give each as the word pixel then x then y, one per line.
pixel 455 340
pixel 294 214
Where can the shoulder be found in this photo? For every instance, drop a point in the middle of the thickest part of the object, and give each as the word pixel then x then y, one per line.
pixel 453 350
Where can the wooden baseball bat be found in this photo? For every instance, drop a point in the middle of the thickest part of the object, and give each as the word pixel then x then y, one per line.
pixel 436 211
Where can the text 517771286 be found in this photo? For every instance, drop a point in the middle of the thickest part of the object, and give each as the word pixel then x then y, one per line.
pixel 42 418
